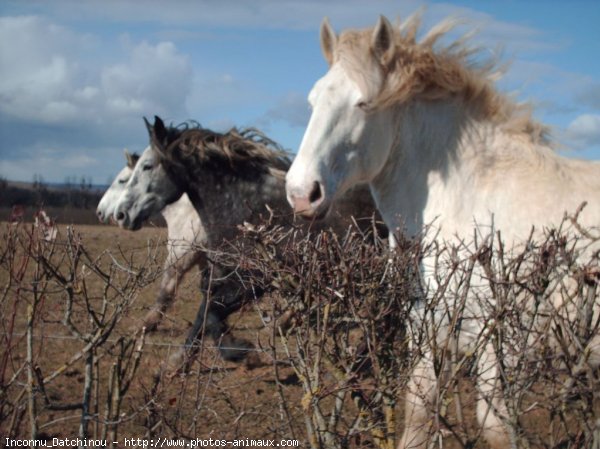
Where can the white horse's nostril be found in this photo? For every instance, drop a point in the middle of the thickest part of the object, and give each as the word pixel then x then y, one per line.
pixel 316 194
pixel 120 215
pixel 307 202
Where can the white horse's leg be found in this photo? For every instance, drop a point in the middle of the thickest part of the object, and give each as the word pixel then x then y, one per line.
pixel 491 404
pixel 420 396
pixel 175 268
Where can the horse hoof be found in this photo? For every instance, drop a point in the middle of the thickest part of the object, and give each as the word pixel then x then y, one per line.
pixel 234 350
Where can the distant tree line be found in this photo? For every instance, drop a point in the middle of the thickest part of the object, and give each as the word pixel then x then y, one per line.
pixel 74 193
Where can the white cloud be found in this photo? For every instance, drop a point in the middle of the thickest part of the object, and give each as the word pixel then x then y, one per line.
pixel 42 80
pixel 81 95
pixel 584 131
pixel 37 69
pixel 155 79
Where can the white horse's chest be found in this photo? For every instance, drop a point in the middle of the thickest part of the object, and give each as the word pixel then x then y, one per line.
pixel 185 229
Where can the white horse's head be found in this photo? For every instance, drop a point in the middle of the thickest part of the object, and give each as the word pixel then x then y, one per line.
pixel 347 140
pixel 147 192
pixel 108 202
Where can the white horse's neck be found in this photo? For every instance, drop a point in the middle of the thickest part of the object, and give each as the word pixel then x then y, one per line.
pixel 455 172
pixel 426 137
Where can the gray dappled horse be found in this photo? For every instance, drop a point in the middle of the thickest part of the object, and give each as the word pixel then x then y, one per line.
pixel 230 178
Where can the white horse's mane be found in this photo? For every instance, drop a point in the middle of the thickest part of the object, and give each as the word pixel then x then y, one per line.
pixel 425 69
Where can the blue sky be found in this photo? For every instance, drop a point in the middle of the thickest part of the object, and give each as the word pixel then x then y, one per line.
pixel 76 77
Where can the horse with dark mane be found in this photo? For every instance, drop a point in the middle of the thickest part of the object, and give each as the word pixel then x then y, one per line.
pixel 231 178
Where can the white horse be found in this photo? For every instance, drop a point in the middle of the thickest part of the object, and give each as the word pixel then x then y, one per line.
pixel 106 206
pixel 185 234
pixel 438 145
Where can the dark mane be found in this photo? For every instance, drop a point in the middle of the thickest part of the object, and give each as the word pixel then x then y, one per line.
pixel 243 151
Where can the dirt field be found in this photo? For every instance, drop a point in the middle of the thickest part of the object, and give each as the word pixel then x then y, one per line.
pixel 214 400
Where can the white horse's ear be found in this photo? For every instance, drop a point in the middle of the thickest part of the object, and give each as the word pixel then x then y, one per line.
pixel 131 159
pixel 382 41
pixel 328 40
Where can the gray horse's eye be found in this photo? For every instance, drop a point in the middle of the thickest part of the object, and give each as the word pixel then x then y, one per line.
pixel 147 167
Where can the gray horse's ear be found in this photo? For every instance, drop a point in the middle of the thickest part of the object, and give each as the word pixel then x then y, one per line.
pixel 148 126
pixel 157 130
pixel 328 40
pixel 159 126
pixel 382 41
pixel 158 134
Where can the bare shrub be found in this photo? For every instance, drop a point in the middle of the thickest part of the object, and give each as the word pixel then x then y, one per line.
pixel 353 322
pixel 352 319
pixel 72 365
pixel 56 293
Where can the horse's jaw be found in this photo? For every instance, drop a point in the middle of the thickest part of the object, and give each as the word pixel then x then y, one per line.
pixel 130 224
pixel 133 218
pixel 135 225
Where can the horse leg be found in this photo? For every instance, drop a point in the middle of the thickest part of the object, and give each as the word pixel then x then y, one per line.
pixel 164 299
pixel 225 295
pixel 175 268
pixel 420 395
pixel 204 320
pixel 490 404
pixel 231 348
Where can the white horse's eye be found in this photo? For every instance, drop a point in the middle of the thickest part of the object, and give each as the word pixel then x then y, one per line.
pixel 147 167
pixel 123 181
pixel 364 105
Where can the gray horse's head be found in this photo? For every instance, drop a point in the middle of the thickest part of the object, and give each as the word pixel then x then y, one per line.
pixel 148 190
